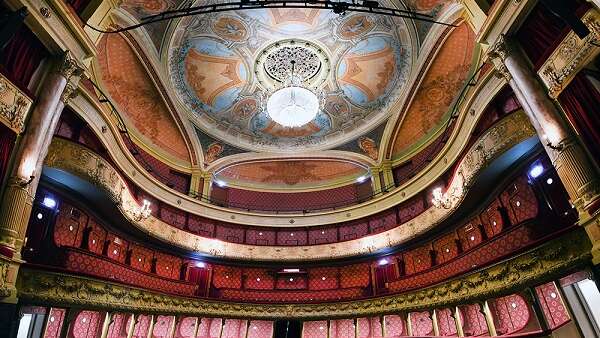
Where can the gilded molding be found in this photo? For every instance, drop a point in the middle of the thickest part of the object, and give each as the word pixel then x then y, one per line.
pixel 549 261
pixel 14 105
pixel 571 56
pixel 68 66
pixel 5 285
pixel 82 162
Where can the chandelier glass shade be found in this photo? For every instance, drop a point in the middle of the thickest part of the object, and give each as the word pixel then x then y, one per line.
pixel 293 104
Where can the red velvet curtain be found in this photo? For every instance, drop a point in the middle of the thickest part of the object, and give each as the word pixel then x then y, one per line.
pixel 581 103
pixel 7 141
pixel 199 276
pixel 21 57
pixel 384 274
pixel 542 31
pixel 78 5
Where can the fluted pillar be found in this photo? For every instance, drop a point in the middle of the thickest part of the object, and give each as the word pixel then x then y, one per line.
pixel 574 168
pixel 18 198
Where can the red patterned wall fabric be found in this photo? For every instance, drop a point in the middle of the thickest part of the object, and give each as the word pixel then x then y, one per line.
pixel 69 226
pixel 341 328
pixel 162 326
pixel 511 314
pixel 312 200
pixel 393 326
pixel 54 323
pixel 258 279
pixel 473 320
pixel 141 326
pixel 369 327
pixel 552 304
pixel 446 322
pixel 356 275
pixel 210 328
pixel 92 265
pixel 234 328
pixel 118 327
pixel 87 324
pixel 260 329
pixel 186 327
pixel 323 278
pixel 227 277
pixel 417 260
pixel 421 323
pixel 314 329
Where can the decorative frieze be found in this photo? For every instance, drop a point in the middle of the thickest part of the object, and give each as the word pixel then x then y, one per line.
pixel 82 162
pixel 549 261
pixel 571 56
pixel 14 105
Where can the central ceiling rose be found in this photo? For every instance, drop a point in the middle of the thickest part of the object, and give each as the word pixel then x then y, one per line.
pixel 294 104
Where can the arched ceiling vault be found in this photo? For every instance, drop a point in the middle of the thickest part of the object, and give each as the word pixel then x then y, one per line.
pixel 368 68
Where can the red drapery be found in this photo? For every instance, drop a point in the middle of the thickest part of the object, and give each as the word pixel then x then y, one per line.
pixel 581 103
pixel 541 33
pixel 7 141
pixel 200 277
pixel 21 58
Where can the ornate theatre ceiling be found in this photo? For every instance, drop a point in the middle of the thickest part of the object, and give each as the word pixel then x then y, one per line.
pixel 384 88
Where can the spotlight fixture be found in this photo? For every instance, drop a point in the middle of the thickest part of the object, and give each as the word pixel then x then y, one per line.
pixel 49 202
pixel 536 170
pixel 383 261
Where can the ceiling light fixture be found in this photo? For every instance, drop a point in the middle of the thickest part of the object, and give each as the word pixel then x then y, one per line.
pixel 293 104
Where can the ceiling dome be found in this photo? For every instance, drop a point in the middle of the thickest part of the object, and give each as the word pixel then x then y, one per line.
pixel 222 66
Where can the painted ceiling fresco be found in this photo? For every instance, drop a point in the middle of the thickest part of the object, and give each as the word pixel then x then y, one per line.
pixel 222 65
pixel 291 174
pixel 129 84
pixel 438 90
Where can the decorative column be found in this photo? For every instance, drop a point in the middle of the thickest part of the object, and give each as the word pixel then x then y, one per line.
pixel 434 320
pixel 108 318
pixel 458 322
pixel 388 175
pixel 568 157
pixel 17 201
pixel 489 319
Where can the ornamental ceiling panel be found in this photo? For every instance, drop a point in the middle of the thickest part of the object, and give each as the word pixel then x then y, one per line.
pixel 224 66
pixel 132 89
pixel 291 174
pixel 439 89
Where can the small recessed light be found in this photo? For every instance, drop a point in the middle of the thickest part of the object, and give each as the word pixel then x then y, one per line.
pixel 115 252
pixel 472 238
pixel 52 319
pixel 84 320
pixel 292 234
pixel 254 327
pixel 93 241
pixel 553 295
pixel 291 279
pixel 258 279
pixel 39 215
pixel 323 278
pixel 70 228
pixel 260 233
pixel 514 305
pixel 549 180
pixel 494 222
pixel 320 328
pixel 447 250
pixel 322 232
pixel 227 276
pixel 139 259
pixel 518 203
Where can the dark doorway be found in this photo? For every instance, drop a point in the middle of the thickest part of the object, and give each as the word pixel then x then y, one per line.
pixel 288 329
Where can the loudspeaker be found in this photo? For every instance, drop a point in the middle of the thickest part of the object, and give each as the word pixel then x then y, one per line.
pixel 565 10
pixel 10 22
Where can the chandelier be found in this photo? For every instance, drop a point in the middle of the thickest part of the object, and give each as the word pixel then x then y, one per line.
pixel 293 104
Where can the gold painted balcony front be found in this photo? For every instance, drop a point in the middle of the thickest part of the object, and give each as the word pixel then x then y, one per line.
pixel 82 162
pixel 14 105
pixel 552 260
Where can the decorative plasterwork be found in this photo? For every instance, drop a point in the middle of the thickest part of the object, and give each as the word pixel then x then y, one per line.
pixel 552 260
pixel 571 56
pixel 14 105
pixel 82 162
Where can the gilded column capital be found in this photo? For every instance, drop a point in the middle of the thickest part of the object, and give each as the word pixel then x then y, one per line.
pixel 498 54
pixel 68 66
pixel 70 92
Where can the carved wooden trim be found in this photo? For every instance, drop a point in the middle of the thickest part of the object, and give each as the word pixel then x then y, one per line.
pixel 571 56
pixel 14 105
pixel 549 261
pixel 84 163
